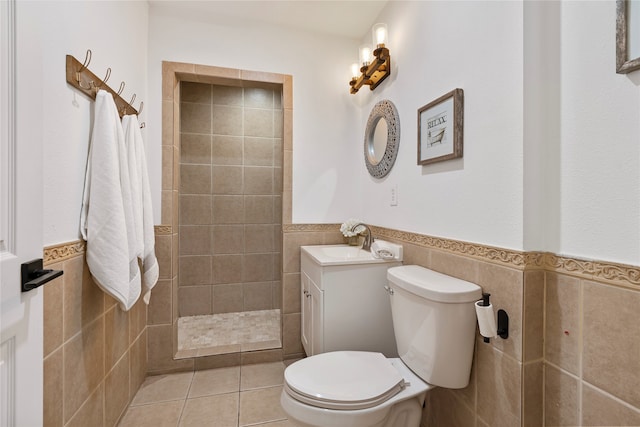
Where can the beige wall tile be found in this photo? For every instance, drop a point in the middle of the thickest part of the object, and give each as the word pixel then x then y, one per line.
pixel 194 300
pixel 287 92
pixel 291 343
pixel 257 268
pixel 276 292
pixel 167 123
pixel 217 361
pixel 444 409
pixel 195 148
pixel 160 303
pixel 116 386
pixel 258 180
pixel 195 209
pixel 227 239
pixel 92 411
pixel 53 312
pixel 287 136
pixel 259 209
pixel 83 366
pixel 506 288
pixel 160 351
pixel 287 170
pixel 195 92
pixel 227 180
pixel 562 325
pixel 137 363
pixel 166 207
pixel 53 389
pixel 227 95
pixel 258 151
pixel 167 167
pixel 291 248
pixel 163 254
pixel 259 238
pixel 455 265
pixel 258 98
pixel 291 293
pixel 195 270
pixel 286 207
pixel 257 296
pixel 278 121
pixel 228 209
pixel 258 123
pixel 227 120
pixel 415 255
pixel 226 150
pixel 227 269
pixel 137 320
pixel 532 394
pixel 278 153
pixel 195 240
pixel 228 298
pixel 261 356
pixel 599 409
pixel 612 340
pixel 83 299
pixel 116 337
pixel 499 387
pixel 195 118
pixel 560 398
pixel 533 336
pixel 195 179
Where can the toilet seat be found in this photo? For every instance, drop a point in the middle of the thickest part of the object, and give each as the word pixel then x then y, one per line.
pixel 343 380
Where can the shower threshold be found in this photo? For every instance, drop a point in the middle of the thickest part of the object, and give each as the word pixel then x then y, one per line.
pixel 208 335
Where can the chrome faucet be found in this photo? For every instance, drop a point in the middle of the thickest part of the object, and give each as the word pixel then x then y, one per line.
pixel 368 239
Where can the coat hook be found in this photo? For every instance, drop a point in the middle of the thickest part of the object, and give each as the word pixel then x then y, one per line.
pixel 121 88
pixel 85 64
pixel 133 98
pixel 143 125
pixel 106 77
pixel 141 107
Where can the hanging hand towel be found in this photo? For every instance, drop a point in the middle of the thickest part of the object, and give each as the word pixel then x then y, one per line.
pixel 106 219
pixel 142 207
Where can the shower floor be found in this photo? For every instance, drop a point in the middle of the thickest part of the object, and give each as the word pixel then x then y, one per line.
pixel 228 333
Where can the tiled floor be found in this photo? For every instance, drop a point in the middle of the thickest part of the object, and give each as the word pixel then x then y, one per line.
pixel 229 332
pixel 224 397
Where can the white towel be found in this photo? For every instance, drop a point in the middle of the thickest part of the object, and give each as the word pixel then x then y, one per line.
pixel 106 219
pixel 142 206
pixel 386 250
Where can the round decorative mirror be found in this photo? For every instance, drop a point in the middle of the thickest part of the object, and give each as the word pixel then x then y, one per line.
pixel 381 139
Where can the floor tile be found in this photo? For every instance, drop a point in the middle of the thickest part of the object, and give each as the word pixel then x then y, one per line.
pixel 212 411
pixel 261 406
pixel 215 381
pixel 165 414
pixel 162 388
pixel 261 375
pixel 283 423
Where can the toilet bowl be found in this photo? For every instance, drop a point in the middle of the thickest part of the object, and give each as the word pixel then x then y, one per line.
pixel 434 324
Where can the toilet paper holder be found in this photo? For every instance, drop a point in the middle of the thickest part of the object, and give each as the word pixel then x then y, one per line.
pixel 502 320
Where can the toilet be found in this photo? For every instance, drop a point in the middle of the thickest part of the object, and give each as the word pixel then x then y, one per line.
pixel 434 322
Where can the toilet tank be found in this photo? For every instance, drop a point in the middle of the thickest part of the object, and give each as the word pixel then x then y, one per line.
pixel 434 322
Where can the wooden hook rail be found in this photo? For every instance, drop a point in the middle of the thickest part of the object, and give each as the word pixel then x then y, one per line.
pixel 80 77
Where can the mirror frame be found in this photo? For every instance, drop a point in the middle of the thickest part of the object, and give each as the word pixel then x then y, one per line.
pixel 624 64
pixel 386 110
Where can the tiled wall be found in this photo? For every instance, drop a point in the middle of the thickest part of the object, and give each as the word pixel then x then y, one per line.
pixel 95 355
pixel 230 199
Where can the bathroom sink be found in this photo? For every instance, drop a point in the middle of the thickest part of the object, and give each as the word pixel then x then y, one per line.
pixel 343 254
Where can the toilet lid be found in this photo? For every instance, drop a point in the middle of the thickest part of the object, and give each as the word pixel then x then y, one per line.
pixel 343 380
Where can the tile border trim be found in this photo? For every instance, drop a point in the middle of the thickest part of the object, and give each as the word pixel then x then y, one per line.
pixel 602 271
pixel 63 251
pixel 162 230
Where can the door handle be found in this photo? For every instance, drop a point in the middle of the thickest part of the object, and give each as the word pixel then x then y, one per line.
pixel 34 276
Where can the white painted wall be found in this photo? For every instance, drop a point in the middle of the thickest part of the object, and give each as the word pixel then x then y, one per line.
pixel 437 47
pixel 325 132
pixel 600 140
pixel 116 32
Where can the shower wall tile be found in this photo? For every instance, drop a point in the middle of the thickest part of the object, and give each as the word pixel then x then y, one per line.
pixel 91 413
pixel 258 180
pixel 195 240
pixel 258 98
pixel 259 209
pixel 195 148
pixel 53 311
pixel 258 151
pixel 195 300
pixel 228 239
pixel 195 92
pixel 195 118
pixel 194 270
pixel 227 120
pixel 291 293
pixel 116 396
pixel 116 343
pixel 258 123
pixel 195 179
pixel 561 398
pixel 533 392
pixel 227 268
pixel 227 180
pixel 53 381
pixel 599 409
pixel 227 95
pixel 228 298
pixel 167 167
pixel 195 209
pixel 227 150
pixel 259 238
pixel 160 303
pixel 257 296
pixel 80 291
pixel 278 121
pixel 257 267
pixel 228 210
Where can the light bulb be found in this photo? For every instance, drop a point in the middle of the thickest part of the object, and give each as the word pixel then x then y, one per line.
pixel 355 70
pixel 365 55
pixel 380 34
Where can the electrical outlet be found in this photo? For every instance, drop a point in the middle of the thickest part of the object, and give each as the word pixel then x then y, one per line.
pixel 394 195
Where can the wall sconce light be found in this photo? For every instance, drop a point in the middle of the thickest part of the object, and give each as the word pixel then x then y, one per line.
pixel 373 69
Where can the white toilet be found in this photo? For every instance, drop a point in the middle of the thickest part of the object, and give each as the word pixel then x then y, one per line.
pixel 434 322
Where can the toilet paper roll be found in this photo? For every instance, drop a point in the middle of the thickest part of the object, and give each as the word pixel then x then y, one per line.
pixel 486 320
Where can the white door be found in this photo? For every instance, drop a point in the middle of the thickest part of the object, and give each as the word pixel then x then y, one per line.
pixel 20 240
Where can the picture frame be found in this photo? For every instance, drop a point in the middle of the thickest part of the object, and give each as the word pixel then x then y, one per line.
pixel 627 36
pixel 440 128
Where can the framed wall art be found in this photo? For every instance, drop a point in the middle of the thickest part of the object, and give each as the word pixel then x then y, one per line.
pixel 440 128
pixel 627 36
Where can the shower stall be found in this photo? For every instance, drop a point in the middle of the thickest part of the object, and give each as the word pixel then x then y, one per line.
pixel 230 217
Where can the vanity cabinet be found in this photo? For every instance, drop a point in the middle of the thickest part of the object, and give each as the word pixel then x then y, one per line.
pixel 345 305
